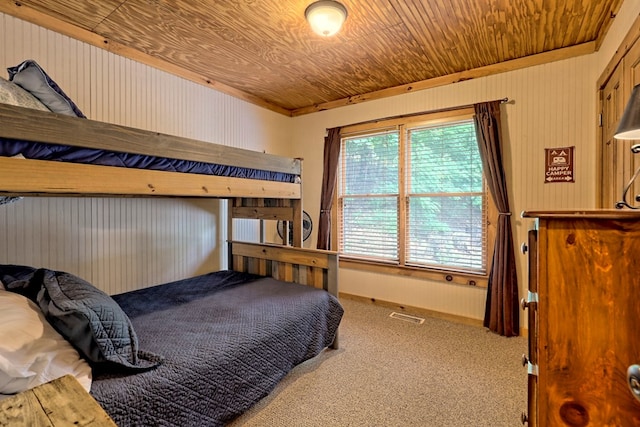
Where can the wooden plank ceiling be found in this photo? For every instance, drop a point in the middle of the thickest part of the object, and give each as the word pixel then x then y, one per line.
pixel 264 52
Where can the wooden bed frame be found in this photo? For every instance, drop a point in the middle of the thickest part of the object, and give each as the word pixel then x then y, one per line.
pixel 311 267
pixel 249 198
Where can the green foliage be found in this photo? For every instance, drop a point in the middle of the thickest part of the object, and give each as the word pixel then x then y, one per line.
pixel 444 184
pixel 445 159
pixel 371 164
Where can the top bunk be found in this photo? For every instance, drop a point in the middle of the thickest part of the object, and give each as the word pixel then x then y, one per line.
pixel 230 172
pixel 49 148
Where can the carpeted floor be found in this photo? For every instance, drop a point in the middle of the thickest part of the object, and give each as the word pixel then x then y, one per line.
pixel 389 372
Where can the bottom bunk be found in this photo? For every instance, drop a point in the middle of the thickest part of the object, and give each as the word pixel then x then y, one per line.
pixel 206 348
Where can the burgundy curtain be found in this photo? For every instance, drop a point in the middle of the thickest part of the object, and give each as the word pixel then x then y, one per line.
pixel 331 155
pixel 502 313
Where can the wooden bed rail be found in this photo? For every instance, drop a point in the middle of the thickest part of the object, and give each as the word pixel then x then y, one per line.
pixel 309 267
pixel 32 125
pixel 271 209
pixel 56 178
pixel 20 177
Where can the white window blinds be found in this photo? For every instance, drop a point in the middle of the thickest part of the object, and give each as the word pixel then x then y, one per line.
pixel 369 196
pixel 445 214
pixel 414 196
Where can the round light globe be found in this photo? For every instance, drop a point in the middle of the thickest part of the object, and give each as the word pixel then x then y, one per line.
pixel 326 17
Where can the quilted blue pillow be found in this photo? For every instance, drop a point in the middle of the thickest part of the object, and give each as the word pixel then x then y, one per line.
pixel 32 78
pixel 86 316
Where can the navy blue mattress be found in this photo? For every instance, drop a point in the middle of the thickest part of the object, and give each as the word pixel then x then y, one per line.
pixel 227 339
pixel 63 153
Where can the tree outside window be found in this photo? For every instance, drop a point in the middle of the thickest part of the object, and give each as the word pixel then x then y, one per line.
pixel 414 195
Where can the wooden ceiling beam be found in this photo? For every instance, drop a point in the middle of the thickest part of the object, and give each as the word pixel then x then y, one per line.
pixel 502 67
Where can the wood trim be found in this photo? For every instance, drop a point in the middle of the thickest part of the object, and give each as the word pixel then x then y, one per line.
pixel 268 213
pixel 600 169
pixel 458 278
pixel 613 12
pixel 585 214
pixel 50 178
pixel 515 64
pixel 17 9
pixel 413 310
pixel 632 35
pixel 426 117
pixel 287 254
pixel 408 309
pixel 41 126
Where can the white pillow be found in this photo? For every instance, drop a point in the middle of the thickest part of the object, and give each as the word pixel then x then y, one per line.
pixel 31 351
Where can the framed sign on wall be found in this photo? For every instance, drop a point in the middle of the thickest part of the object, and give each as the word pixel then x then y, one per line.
pixel 559 165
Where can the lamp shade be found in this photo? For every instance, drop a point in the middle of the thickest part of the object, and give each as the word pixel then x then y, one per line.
pixel 629 126
pixel 326 17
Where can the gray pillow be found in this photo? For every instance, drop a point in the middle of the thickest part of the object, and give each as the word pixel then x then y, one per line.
pixel 32 78
pixel 12 94
pixel 86 316
pixel 92 321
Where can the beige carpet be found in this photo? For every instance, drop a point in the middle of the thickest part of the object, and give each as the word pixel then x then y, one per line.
pixel 390 372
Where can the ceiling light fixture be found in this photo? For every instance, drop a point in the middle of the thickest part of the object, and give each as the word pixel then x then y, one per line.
pixel 326 16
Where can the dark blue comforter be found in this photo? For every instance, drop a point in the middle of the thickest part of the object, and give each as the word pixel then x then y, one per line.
pixel 226 338
pixel 63 153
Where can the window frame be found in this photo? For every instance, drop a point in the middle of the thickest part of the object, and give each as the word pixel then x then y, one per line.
pixel 455 276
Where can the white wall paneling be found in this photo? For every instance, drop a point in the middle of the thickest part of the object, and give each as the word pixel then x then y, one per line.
pixel 553 105
pixel 124 243
pixel 117 244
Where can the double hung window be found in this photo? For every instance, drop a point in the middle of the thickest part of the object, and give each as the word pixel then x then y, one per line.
pixel 411 193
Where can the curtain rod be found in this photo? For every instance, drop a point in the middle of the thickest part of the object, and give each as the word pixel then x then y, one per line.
pixel 441 110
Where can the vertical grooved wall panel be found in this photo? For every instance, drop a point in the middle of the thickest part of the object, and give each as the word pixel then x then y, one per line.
pixel 552 105
pixel 125 243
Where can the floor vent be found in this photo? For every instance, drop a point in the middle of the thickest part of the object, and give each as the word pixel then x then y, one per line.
pixel 407 318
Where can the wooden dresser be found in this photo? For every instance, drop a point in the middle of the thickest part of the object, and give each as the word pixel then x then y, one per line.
pixel 584 318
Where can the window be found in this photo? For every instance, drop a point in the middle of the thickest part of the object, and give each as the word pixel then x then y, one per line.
pixel 413 195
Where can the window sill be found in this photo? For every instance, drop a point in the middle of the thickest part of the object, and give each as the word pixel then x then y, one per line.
pixel 456 277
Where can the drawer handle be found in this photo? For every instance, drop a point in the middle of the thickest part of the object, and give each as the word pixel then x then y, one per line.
pixel 532 298
pixel 524 418
pixel 531 368
pixel 633 379
pixel 524 248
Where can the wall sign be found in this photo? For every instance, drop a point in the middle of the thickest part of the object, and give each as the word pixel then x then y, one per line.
pixel 558 164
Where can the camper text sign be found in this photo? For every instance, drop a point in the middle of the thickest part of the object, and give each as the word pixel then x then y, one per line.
pixel 558 164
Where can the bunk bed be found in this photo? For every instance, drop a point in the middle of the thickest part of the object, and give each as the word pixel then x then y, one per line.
pixel 218 342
